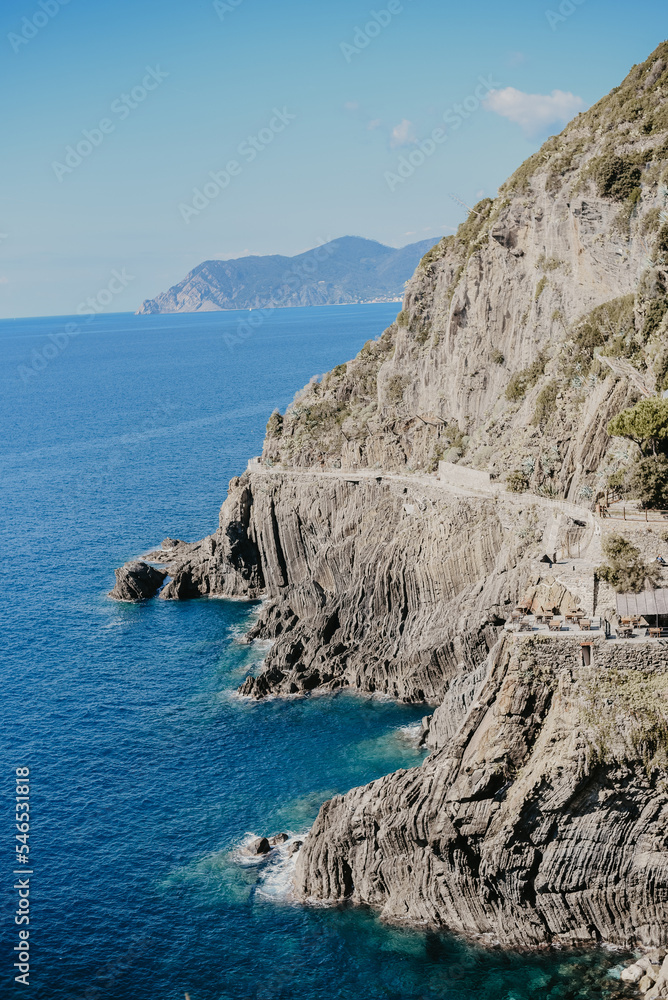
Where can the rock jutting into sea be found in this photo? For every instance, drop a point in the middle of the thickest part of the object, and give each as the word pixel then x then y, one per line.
pixel 413 504
pixel 137 581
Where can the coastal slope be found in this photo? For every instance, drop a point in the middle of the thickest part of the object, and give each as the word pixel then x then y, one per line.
pixel 540 815
pixel 343 271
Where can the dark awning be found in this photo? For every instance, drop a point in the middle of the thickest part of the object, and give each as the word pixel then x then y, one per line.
pixel 649 602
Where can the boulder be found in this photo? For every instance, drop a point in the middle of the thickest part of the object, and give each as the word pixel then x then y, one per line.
pixel 633 974
pixel 293 848
pixel 173 543
pixel 257 847
pixel 645 984
pixel 137 581
pixel 652 970
pixel 278 838
pixel 660 988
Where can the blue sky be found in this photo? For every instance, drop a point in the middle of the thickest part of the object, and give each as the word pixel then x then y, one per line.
pixel 201 78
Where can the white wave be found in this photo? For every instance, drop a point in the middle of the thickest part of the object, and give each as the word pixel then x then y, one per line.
pixel 277 881
pixel 615 972
pixel 411 732
pixel 277 868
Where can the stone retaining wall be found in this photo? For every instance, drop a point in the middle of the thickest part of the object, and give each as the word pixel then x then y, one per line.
pixel 648 655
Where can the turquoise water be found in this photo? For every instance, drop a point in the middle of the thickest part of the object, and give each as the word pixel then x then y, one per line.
pixel 147 772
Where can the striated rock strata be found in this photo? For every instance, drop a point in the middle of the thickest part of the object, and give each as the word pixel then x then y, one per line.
pixel 388 585
pixel 541 814
pixel 544 819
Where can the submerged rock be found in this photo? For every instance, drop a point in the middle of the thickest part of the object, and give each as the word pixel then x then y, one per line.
pixel 137 581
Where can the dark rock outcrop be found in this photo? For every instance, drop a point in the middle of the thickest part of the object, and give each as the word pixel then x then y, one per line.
pixel 257 847
pixel 227 562
pixel 137 581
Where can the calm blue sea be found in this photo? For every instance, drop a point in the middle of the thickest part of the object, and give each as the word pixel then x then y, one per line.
pixel 146 772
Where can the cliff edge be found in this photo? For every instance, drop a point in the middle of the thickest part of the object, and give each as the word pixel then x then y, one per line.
pixel 541 813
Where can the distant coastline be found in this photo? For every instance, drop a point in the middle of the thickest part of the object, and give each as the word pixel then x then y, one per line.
pixel 346 271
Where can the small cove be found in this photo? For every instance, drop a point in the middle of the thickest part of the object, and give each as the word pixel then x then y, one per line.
pixel 147 770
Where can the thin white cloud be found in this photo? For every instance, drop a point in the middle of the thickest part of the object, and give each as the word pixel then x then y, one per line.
pixel 376 123
pixel 535 113
pixel 516 58
pixel 403 134
pixel 351 105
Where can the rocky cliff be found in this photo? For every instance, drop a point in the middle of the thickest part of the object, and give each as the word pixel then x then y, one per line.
pixel 383 584
pixel 544 818
pixel 540 814
pixel 521 336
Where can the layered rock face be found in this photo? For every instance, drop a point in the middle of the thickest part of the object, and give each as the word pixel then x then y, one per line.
pixel 376 583
pixel 521 336
pixel 545 818
pixel 541 814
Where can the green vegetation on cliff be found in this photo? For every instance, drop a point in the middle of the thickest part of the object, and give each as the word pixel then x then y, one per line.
pixel 646 424
pixel 625 714
pixel 624 568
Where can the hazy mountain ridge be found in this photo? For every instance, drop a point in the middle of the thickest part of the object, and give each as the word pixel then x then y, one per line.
pixel 345 271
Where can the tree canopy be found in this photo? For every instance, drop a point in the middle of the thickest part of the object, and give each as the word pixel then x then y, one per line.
pixel 646 424
pixel 648 481
pixel 625 569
